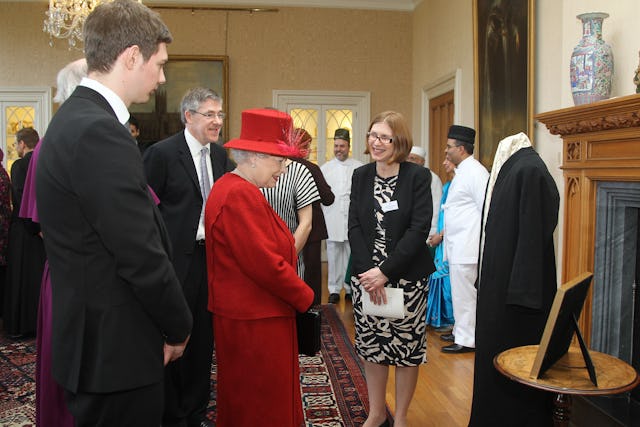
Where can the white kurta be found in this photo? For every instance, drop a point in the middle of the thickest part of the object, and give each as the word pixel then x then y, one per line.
pixel 463 212
pixel 338 175
pixel 436 195
pixel 462 222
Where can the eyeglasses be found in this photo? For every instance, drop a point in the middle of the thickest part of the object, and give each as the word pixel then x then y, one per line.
pixel 452 146
pixel 372 136
pixel 219 115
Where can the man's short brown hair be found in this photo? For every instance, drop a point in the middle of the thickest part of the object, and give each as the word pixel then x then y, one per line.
pixel 113 27
pixel 29 136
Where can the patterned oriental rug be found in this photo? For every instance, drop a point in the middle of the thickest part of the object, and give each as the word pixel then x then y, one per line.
pixel 334 392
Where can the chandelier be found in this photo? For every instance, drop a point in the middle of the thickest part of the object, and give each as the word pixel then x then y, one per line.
pixel 65 18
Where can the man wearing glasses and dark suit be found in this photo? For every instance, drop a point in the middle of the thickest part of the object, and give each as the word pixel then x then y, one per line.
pixel 181 170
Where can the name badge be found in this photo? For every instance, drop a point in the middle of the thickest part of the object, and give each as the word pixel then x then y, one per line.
pixel 389 206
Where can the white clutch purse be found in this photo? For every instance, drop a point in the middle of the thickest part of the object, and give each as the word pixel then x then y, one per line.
pixel 394 308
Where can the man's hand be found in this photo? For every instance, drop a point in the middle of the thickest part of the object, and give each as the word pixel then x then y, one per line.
pixel 174 351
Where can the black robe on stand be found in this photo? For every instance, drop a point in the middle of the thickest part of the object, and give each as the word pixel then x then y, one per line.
pixel 516 289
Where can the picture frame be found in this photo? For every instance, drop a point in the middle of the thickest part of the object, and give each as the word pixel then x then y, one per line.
pixel 503 72
pixel 561 325
pixel 159 118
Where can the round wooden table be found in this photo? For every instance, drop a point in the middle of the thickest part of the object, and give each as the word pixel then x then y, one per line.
pixel 568 376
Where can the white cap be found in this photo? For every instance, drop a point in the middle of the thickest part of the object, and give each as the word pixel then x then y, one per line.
pixel 419 151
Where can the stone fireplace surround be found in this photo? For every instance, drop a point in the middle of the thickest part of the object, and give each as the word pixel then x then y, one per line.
pixel 615 264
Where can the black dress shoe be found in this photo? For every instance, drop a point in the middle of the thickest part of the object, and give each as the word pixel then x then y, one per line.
pixel 334 298
pixel 447 337
pixel 444 329
pixel 457 348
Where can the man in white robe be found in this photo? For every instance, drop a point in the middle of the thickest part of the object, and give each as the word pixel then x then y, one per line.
pixel 462 223
pixel 418 156
pixel 337 173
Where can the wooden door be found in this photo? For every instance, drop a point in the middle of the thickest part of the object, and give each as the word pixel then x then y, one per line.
pixel 440 118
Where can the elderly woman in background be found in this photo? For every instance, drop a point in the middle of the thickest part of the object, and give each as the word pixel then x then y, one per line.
pixel 389 218
pixel 254 291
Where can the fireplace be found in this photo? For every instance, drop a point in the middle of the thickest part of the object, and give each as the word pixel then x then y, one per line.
pixel 601 170
pixel 616 270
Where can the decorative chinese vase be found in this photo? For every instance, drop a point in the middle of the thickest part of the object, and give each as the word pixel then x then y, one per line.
pixel 591 62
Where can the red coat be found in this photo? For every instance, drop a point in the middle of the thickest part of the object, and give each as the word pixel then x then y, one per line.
pixel 254 293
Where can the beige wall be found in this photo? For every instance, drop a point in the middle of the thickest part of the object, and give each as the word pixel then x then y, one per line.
pixel 27 59
pixel 443 43
pixel 314 49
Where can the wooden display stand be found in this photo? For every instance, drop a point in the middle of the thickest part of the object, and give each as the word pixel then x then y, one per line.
pixel 568 376
pixel 557 366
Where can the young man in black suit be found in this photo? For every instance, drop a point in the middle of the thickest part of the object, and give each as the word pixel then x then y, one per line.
pixel 181 170
pixel 119 314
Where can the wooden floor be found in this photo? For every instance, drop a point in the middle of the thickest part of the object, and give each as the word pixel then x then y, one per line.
pixel 445 383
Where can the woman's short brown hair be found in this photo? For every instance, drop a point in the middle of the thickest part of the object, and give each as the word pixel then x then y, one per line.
pixel 402 140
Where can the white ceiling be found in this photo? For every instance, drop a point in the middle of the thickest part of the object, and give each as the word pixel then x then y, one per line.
pixel 397 5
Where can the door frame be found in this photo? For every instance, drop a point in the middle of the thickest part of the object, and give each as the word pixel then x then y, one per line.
pixel 40 96
pixel 358 102
pixel 451 81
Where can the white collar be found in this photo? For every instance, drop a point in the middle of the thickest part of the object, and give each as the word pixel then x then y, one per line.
pixel 194 145
pixel 122 113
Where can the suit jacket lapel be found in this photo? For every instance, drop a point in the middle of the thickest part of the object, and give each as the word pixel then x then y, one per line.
pixel 187 162
pixel 368 201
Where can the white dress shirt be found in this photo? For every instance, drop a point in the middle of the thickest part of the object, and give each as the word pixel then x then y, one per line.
pixel 338 175
pixel 196 152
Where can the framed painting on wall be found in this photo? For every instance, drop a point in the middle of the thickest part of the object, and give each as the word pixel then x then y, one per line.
pixel 159 118
pixel 503 34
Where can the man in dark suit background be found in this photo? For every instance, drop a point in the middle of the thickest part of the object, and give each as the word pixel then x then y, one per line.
pixel 181 170
pixel 25 256
pixel 119 314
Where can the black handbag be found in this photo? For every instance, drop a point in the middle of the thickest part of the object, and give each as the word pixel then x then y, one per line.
pixel 308 325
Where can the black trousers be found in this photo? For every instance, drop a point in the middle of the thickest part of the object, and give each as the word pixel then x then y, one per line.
pixel 311 253
pixel 188 379
pixel 140 407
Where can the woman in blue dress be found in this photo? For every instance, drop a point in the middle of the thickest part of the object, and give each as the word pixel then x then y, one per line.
pixel 439 305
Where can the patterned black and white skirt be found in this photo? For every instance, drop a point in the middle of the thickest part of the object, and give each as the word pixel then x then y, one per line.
pixel 395 342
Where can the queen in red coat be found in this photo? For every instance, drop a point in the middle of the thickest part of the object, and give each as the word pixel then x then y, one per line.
pixel 254 291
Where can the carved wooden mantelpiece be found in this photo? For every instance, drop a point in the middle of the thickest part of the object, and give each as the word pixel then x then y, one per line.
pixel 601 142
pixel 617 113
